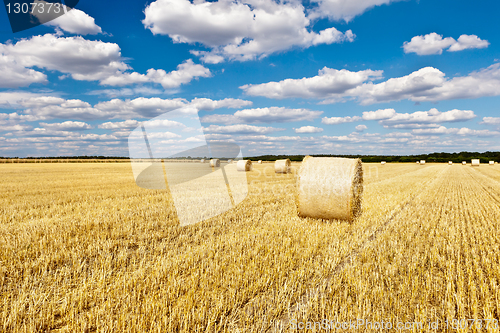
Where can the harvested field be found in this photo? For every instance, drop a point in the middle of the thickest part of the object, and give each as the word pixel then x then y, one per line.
pixel 83 249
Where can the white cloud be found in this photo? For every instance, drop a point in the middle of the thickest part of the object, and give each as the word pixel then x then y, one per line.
pixel 464 131
pixel 468 131
pixel 15 75
pixel 435 131
pixel 151 107
pixel 468 42
pixel 491 121
pixel 67 126
pixel 11 99
pixel 329 83
pixel 241 129
pixel 432 116
pixel 76 22
pixel 379 114
pixel 339 120
pixel 127 124
pixel 141 90
pixel 238 30
pixel 345 9
pixel 308 129
pixel 185 73
pixel 51 107
pixel 427 84
pixel 435 44
pixel 209 105
pixel 361 128
pixel 48 107
pixel 15 128
pixel 264 115
pixel 83 60
pixel 412 86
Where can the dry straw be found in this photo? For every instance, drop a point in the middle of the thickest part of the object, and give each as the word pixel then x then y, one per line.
pixel 259 161
pixel 215 162
pixel 492 162
pixel 282 166
pixel 464 163
pixel 202 161
pixel 244 165
pixel 422 162
pixel 450 162
pixel 418 162
pixel 475 162
pixel 330 188
pixel 383 162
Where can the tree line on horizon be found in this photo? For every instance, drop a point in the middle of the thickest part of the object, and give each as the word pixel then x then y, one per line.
pixel 442 157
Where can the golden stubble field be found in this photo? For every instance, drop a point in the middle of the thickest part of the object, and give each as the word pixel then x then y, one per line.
pixel 83 249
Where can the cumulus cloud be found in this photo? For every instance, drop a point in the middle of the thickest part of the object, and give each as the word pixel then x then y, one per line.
pixel 83 60
pixel 427 84
pixel 241 129
pixel 210 105
pixel 361 128
pixel 185 73
pixel 391 119
pixel 308 129
pixel 458 131
pixel 51 107
pixel 10 99
pixel 15 75
pixel 263 115
pixel 339 120
pixel 121 125
pixel 238 30
pixel 48 107
pixel 151 107
pixel 491 121
pixel 435 44
pixel 345 9
pixel 329 83
pixel 75 21
pixel 379 114
pixel 67 126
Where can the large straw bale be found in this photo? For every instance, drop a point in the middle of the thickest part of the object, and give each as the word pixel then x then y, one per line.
pixel 464 163
pixel 422 161
pixel 244 165
pixel 282 166
pixel 450 162
pixel 215 162
pixel 383 162
pixel 492 162
pixel 330 188
pixel 475 162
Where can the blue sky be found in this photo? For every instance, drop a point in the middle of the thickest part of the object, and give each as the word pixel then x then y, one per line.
pixel 323 76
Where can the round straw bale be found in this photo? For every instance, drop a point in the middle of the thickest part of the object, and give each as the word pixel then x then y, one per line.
pixel 464 163
pixel 282 166
pixel 330 188
pixel 244 165
pixel 422 161
pixel 450 162
pixel 383 162
pixel 202 160
pixel 475 162
pixel 229 161
pixel 259 161
pixel 215 162
pixel 492 162
pixel 418 162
